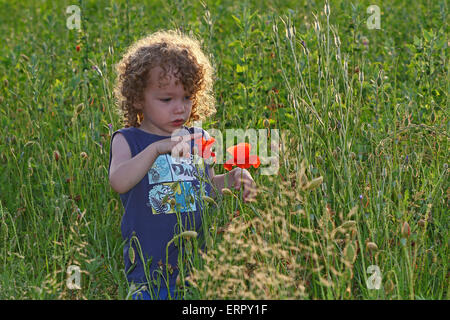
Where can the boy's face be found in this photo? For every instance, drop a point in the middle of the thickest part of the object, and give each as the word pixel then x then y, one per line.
pixel 165 108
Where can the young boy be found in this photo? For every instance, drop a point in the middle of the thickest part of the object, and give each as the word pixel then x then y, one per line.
pixel 164 82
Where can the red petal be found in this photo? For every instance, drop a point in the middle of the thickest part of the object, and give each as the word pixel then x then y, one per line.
pixel 229 164
pixel 210 141
pixel 241 153
pixel 244 165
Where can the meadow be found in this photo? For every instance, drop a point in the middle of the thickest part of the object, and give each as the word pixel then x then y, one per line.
pixel 358 208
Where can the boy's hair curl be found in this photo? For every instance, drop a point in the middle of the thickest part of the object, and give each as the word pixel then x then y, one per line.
pixel 173 52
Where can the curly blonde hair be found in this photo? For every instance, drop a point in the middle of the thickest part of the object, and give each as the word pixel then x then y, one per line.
pixel 172 51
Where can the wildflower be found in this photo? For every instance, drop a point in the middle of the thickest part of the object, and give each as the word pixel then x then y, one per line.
pixel 227 191
pixel 241 157
pixel 56 155
pixel 205 148
pixel 314 183
pixel 78 48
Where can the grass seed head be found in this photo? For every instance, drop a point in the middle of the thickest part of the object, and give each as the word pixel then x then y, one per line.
pixel 188 234
pixel 314 183
pixel 406 230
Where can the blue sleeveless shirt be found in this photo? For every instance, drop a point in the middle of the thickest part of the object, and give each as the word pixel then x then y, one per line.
pixel 150 221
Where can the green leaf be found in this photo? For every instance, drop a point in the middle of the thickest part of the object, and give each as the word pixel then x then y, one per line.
pixel 235 43
pixel 131 254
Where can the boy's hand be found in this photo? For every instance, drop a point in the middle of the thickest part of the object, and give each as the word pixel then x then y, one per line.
pixel 242 177
pixel 177 146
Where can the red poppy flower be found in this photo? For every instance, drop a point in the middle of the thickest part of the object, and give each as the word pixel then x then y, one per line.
pixel 205 147
pixel 241 157
pixel 78 48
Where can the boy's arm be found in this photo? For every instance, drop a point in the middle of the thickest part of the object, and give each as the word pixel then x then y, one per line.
pixel 125 172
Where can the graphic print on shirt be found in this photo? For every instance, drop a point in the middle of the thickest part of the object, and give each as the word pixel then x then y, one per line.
pixel 172 179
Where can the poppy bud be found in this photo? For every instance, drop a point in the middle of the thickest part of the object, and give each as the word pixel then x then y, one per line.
pixel 389 286
pixel 131 254
pixel 56 155
pixel 266 123
pixel 406 230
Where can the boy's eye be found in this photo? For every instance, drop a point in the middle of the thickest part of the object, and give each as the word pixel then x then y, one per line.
pixel 165 100
pixel 188 97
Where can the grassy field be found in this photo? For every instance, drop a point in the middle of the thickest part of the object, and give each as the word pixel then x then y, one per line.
pixel 365 109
